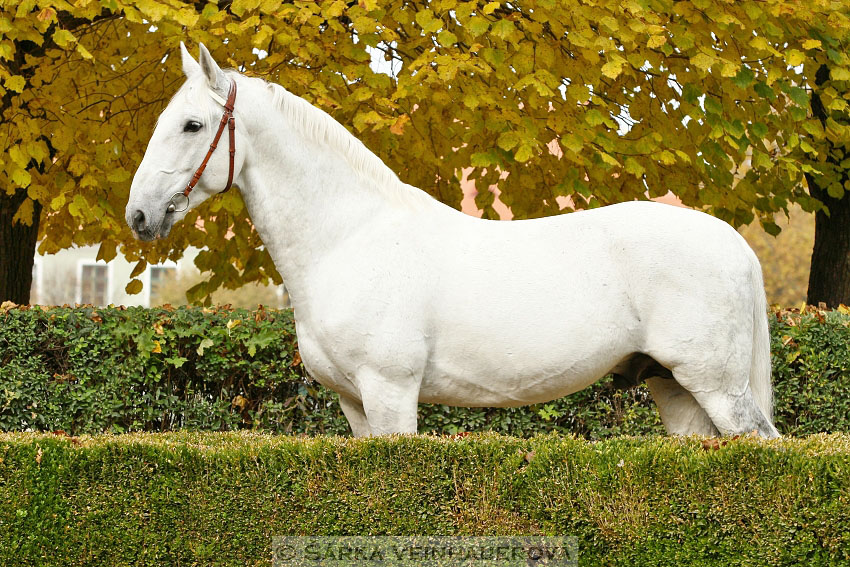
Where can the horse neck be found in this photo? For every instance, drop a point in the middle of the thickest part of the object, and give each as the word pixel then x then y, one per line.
pixel 304 197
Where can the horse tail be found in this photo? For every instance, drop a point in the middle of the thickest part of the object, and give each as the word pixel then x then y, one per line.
pixel 760 366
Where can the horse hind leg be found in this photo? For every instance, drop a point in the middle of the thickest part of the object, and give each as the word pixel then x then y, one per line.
pixel 736 414
pixel 724 393
pixel 679 410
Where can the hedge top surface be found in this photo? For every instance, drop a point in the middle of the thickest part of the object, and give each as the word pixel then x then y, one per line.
pixel 815 445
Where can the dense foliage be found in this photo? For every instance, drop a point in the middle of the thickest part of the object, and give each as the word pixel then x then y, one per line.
pixel 92 370
pixel 219 499
pixel 586 102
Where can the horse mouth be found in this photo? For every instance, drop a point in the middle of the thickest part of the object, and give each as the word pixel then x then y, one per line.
pixel 146 235
pixel 149 233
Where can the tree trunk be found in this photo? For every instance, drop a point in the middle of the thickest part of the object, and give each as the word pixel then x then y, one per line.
pixel 829 277
pixel 17 249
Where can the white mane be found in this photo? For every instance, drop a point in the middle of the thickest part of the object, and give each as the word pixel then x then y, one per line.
pixel 321 127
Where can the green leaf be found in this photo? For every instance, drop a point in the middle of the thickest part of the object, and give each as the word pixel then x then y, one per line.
pixel 177 361
pixel 771 228
pixel 713 106
pixel 764 91
pixel 814 128
pixel 800 96
pixel 594 117
pixel 759 130
pixel 118 175
pixel 744 77
pixel 573 143
pixel 735 128
pixel 608 158
pixel 691 93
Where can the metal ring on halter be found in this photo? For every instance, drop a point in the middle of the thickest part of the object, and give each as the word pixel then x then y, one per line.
pixel 172 204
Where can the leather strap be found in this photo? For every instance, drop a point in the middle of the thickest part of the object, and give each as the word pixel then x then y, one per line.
pixel 227 119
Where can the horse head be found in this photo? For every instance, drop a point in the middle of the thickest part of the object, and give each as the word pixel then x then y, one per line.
pixel 169 180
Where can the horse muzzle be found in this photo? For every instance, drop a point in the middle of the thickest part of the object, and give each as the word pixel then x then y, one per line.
pixel 145 228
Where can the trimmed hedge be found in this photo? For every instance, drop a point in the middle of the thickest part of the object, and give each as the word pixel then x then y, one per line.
pixel 219 498
pixel 91 370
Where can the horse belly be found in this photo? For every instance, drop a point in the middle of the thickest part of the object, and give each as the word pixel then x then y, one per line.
pixel 512 376
pixel 527 353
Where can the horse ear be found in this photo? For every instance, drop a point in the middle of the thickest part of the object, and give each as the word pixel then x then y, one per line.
pixel 213 73
pixel 190 66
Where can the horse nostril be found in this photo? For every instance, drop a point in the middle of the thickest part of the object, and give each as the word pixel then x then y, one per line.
pixel 139 221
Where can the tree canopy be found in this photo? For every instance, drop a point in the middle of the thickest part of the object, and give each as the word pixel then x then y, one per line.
pixel 598 102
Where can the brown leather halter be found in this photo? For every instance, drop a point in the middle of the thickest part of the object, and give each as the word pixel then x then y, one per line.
pixel 226 119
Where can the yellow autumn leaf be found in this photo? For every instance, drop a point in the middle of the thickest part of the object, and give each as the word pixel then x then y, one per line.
pixel 15 83
pixel 612 69
pixel 134 287
pixel 24 213
pixel 839 73
pixel 490 7
pixel 46 14
pixel 63 38
pixel 139 268
pixel 794 57
pixel 702 61
pixel 656 41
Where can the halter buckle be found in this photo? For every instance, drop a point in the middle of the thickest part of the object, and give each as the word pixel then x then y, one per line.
pixel 178 203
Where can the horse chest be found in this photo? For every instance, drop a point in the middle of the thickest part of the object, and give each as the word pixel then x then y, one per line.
pixel 334 352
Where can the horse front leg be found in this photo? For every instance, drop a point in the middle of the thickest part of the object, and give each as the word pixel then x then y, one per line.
pixel 356 416
pixel 390 399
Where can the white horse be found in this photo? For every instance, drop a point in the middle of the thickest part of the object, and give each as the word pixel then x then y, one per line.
pixel 400 299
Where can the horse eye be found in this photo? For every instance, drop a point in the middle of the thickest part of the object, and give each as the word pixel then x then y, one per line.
pixel 192 126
